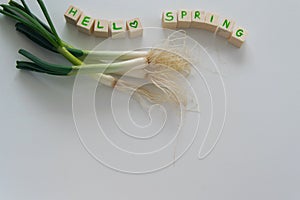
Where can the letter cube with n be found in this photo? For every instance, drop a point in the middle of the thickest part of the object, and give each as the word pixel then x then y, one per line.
pixel 225 28
pixel 72 15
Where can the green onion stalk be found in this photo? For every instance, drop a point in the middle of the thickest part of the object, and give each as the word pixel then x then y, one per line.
pixel 154 65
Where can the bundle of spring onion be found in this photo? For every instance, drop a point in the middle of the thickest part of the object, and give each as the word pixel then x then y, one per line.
pixel 154 65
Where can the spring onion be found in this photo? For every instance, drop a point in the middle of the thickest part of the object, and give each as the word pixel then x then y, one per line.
pixel 153 65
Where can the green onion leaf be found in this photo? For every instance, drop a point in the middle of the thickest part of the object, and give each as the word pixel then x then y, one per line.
pixel 45 65
pixel 44 9
pixel 35 36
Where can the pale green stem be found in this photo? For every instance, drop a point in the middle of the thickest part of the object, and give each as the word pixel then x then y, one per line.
pixel 111 67
pixel 114 55
pixel 69 56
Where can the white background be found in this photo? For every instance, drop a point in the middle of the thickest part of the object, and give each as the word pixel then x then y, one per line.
pixel 257 157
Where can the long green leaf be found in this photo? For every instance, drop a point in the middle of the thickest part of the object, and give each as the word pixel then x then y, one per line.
pixel 44 9
pixel 30 66
pixel 33 21
pixel 48 66
pixel 35 37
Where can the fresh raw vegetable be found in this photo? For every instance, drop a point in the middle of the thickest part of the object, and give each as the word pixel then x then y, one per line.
pixel 155 65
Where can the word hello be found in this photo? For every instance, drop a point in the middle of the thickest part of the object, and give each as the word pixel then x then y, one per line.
pixel 102 27
pixel 224 27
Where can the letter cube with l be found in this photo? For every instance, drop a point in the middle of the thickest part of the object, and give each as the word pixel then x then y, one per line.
pixel 101 28
pixel 117 29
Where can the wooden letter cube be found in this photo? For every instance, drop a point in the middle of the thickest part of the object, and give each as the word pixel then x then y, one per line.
pixel 72 15
pixel 238 36
pixel 169 19
pixel 211 22
pixel 198 19
pixel 101 28
pixel 117 29
pixel 225 28
pixel 134 27
pixel 184 19
pixel 85 24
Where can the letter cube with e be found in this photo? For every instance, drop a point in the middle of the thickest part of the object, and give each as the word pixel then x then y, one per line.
pixel 225 28
pixel 184 19
pixel 85 24
pixel 101 28
pixel 238 36
pixel 198 19
pixel 117 29
pixel 134 27
pixel 169 19
pixel 72 15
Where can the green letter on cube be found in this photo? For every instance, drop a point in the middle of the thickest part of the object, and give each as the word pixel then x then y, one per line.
pixel 99 25
pixel 115 27
pixel 85 21
pixel 73 11
pixel 239 33
pixel 169 16
pixel 226 23
pixel 183 14
pixel 197 14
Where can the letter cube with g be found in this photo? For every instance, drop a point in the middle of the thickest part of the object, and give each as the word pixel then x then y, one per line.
pixel 238 36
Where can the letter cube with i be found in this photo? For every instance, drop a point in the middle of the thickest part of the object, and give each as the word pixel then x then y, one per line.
pixel 169 19
pixel 117 29
pixel 134 27
pixel 238 36
pixel 184 19
pixel 211 22
pixel 101 28
pixel 72 15
pixel 198 19
pixel 85 24
pixel 225 28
